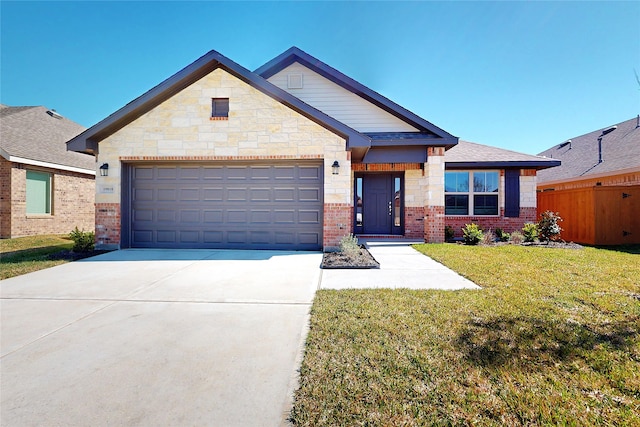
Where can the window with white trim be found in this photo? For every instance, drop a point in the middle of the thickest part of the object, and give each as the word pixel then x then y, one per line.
pixel 471 193
pixel 38 193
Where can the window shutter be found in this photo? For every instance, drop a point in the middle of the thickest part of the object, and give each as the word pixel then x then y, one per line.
pixel 512 193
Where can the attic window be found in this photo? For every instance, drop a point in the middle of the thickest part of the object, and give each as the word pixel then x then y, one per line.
pixel 219 108
pixel 294 81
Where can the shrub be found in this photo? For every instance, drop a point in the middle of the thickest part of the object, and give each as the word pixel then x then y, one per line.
pixel 349 245
pixel 83 241
pixel 448 232
pixel 502 235
pixel 472 234
pixel 530 232
pixel 548 227
pixel 516 238
pixel 488 238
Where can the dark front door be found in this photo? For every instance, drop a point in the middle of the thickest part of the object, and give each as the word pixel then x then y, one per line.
pixel 378 204
pixel 377 207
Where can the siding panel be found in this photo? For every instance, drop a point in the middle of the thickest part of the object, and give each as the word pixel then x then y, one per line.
pixel 339 103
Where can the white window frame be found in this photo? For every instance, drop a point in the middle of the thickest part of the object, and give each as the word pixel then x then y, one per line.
pixel 471 193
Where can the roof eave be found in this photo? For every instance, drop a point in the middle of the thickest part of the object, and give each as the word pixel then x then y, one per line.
pixel 505 164
pixel 425 142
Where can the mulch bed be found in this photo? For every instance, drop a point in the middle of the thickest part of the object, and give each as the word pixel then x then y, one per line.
pixel 74 256
pixel 363 259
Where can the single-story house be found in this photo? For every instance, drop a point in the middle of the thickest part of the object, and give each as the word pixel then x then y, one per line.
pixel 294 155
pixel 44 189
pixel 596 190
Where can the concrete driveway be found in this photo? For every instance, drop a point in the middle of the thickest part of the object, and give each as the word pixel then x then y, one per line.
pixel 156 338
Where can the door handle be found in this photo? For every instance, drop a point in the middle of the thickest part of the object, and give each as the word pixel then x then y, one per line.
pixel 389 208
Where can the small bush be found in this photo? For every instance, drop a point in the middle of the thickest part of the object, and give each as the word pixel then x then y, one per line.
pixel 472 234
pixel 83 241
pixel 530 232
pixel 488 238
pixel 449 234
pixel 516 238
pixel 548 227
pixel 349 245
pixel 502 235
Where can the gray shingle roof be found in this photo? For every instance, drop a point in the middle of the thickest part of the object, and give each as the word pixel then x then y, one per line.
pixel 33 133
pixel 471 154
pixel 620 150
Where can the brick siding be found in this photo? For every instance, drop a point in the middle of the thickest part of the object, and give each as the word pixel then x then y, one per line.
pixel 414 222
pixel 509 225
pixel 434 224
pixel 5 198
pixel 107 225
pixel 385 167
pixel 72 202
pixel 338 222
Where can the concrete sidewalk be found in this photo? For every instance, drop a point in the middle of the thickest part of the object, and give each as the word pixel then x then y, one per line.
pixel 401 266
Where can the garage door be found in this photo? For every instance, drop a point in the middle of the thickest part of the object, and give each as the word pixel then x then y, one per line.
pixel 244 206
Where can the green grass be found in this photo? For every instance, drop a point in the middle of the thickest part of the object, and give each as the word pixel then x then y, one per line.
pixel 26 254
pixel 552 339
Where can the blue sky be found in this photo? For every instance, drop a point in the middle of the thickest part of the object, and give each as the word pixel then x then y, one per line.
pixel 517 75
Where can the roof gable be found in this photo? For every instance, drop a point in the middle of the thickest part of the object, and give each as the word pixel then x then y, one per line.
pixel 37 135
pixel 88 140
pixel 620 150
pixel 295 54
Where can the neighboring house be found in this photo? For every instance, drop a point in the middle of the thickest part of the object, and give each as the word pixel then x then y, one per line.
pixel 597 189
pixel 294 155
pixel 44 189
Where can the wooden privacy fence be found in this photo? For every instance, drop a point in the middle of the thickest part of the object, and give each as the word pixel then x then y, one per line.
pixel 596 215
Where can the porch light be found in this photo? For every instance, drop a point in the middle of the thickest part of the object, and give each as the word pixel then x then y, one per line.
pixel 335 167
pixel 104 169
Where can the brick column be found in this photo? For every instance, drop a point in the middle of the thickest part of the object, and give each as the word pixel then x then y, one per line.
pixel 337 224
pixel 434 200
pixel 108 225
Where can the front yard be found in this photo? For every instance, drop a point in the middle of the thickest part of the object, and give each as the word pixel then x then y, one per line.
pixel 552 339
pixel 23 255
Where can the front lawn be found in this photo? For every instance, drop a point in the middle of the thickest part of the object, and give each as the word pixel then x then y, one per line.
pixel 552 339
pixel 26 254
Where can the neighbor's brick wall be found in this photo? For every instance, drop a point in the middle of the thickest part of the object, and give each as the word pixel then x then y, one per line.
pixel 72 203
pixel 5 198
pixel 527 214
pixel 258 128
pixel 338 222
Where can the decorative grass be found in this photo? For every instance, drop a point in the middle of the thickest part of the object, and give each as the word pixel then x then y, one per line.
pixel 26 254
pixel 551 339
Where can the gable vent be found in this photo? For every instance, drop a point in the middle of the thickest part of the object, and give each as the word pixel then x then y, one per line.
pixel 294 81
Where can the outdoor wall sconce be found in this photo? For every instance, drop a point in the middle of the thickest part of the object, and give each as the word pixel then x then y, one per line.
pixel 104 169
pixel 335 167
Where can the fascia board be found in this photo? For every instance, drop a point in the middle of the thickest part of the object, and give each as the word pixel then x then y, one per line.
pixel 525 164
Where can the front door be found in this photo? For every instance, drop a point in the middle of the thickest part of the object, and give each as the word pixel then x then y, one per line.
pixel 379 204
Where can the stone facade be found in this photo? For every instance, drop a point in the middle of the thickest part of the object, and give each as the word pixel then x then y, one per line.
pixel 258 128
pixel 72 202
